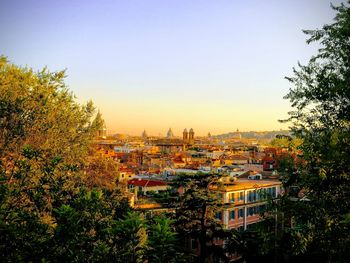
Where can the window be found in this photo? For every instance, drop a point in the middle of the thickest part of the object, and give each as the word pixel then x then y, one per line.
pixel 241 196
pixel 241 213
pixel 273 191
pixel 252 196
pixel 231 197
pixel 251 211
pixel 249 196
pixel 232 214
pixel 269 191
pixel 218 215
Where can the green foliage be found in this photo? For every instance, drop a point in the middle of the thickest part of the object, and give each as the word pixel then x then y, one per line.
pixel 310 219
pixel 100 171
pixel 195 216
pixel 82 228
pixel 198 204
pixel 131 236
pixel 163 242
pixel 48 209
pixel 166 198
pixel 292 144
pixel 38 110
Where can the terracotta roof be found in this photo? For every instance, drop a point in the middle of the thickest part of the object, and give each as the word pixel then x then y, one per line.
pixel 239 157
pixel 122 169
pixel 145 182
pixel 178 161
pixel 268 159
pixel 244 184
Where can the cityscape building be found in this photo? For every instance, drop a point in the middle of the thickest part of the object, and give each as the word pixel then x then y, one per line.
pixel 144 135
pixel 170 134
pixel 244 199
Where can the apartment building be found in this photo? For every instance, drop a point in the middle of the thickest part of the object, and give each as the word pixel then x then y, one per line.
pixel 243 200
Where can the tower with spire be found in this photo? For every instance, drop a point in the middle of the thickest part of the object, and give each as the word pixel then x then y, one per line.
pixel 191 136
pixel 185 136
pixel 144 135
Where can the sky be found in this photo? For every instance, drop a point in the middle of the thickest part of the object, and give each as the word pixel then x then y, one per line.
pixel 211 65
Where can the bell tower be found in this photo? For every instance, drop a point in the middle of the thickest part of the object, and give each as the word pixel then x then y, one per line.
pixel 185 136
pixel 191 136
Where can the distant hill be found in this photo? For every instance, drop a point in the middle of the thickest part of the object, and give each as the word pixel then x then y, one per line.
pixel 253 134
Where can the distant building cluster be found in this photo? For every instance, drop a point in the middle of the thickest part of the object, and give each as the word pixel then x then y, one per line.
pixel 247 168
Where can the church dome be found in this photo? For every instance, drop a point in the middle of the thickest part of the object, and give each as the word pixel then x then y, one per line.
pixel 170 134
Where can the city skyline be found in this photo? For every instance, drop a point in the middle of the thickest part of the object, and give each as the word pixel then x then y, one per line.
pixel 179 133
pixel 212 66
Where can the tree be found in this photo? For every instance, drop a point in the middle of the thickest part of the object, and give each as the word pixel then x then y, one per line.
pixel 100 171
pixel 289 143
pixel 131 235
pixel 163 243
pixel 83 229
pixel 197 208
pixel 313 215
pixel 45 197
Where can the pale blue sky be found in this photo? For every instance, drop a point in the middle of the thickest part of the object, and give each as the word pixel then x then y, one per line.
pixel 211 65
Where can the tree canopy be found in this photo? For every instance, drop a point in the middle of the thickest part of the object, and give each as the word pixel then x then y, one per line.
pixel 48 208
pixel 312 216
pixel 198 217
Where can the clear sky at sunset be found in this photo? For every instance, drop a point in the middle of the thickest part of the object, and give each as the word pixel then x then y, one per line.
pixel 211 65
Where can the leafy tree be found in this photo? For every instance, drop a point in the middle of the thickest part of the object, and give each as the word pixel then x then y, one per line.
pixel 38 110
pixel 163 245
pixel 45 139
pixel 131 238
pixel 291 144
pixel 82 231
pixel 100 171
pixel 311 220
pixel 196 210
